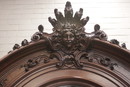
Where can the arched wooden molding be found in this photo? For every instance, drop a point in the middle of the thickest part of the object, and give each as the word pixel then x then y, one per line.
pixel 68 53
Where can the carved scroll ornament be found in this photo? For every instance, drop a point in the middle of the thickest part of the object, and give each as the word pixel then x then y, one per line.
pixel 69 43
pixel 67 47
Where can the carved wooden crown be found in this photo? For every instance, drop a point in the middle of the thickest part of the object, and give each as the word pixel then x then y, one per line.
pixel 71 26
pixel 68 21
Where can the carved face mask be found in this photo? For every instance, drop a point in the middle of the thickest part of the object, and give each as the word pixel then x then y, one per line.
pixel 68 38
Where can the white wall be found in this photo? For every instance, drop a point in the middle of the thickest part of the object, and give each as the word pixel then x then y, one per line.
pixel 19 18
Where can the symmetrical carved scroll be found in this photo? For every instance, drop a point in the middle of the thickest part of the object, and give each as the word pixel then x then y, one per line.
pixel 69 42
pixel 69 60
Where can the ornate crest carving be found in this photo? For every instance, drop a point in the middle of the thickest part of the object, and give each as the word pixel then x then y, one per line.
pixel 68 47
pixel 69 43
pixel 68 31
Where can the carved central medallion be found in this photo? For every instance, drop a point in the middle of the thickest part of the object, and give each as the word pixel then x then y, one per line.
pixel 69 41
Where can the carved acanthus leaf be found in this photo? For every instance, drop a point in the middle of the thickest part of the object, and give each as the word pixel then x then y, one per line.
pixel 35 61
pixel 102 60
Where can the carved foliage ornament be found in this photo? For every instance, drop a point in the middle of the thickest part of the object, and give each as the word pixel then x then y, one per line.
pixel 69 42
pixel 35 61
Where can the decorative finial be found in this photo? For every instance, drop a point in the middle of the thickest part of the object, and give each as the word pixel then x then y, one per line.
pixel 40 28
pixel 123 45
pixel 16 46
pixel 24 42
pixel 38 35
pixel 114 41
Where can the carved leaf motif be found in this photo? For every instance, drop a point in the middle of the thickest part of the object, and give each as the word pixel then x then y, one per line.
pixel 102 60
pixel 35 61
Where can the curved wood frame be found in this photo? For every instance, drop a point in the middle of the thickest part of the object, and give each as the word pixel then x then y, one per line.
pixel 67 57
pixel 90 68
